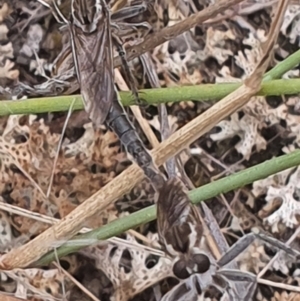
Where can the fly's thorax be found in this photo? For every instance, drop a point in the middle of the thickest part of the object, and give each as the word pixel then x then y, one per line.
pixel 180 238
pixel 86 14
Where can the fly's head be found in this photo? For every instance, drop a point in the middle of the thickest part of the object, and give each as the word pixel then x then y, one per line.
pixel 86 14
pixel 195 263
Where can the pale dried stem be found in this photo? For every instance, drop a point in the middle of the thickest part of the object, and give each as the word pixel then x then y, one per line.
pixel 115 240
pixel 52 177
pixel 254 83
pixel 212 232
pixel 283 286
pixel 59 147
pixel 4 297
pixel 118 5
pixel 123 183
pixel 270 263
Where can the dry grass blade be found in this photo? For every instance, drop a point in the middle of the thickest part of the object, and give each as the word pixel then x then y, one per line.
pixel 254 81
pixel 137 112
pixel 118 5
pixel 122 184
pixel 10 298
pixel 279 285
pixel 116 240
pixel 165 131
pixel 171 32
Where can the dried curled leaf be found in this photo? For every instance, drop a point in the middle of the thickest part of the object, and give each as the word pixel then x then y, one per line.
pixel 7 72
pixel 5 11
pixel 34 37
pixel 246 128
pixel 3 32
pixel 28 148
pixel 44 284
pixel 126 283
pixel 280 190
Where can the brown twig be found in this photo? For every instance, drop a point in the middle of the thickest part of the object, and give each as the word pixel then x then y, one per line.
pixel 172 32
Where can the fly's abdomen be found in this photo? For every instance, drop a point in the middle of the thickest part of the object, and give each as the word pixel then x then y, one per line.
pixel 118 121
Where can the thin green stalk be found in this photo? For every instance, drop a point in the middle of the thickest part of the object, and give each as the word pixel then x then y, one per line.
pixel 234 181
pixel 155 96
pixel 151 96
pixel 283 67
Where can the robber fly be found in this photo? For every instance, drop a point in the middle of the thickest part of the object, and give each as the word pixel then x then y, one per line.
pixel 92 44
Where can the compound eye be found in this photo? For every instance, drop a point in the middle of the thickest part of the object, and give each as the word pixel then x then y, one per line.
pixel 180 269
pixel 202 262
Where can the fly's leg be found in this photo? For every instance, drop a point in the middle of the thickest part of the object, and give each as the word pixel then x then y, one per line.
pixel 224 278
pixel 118 121
pixel 128 12
pixel 118 21
pixel 121 26
pixel 128 74
pixel 128 30
pixel 245 242
pixel 231 275
pixel 276 243
pixel 223 283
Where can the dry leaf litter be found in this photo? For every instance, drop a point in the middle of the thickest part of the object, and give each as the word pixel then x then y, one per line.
pixel 223 50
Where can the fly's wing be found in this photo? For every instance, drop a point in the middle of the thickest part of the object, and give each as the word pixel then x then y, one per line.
pixel 94 67
pixel 180 230
pixel 178 221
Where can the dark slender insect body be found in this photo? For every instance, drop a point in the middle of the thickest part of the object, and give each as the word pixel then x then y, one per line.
pixel 118 121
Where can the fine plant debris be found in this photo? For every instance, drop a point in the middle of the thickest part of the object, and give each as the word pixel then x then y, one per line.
pixel 79 189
